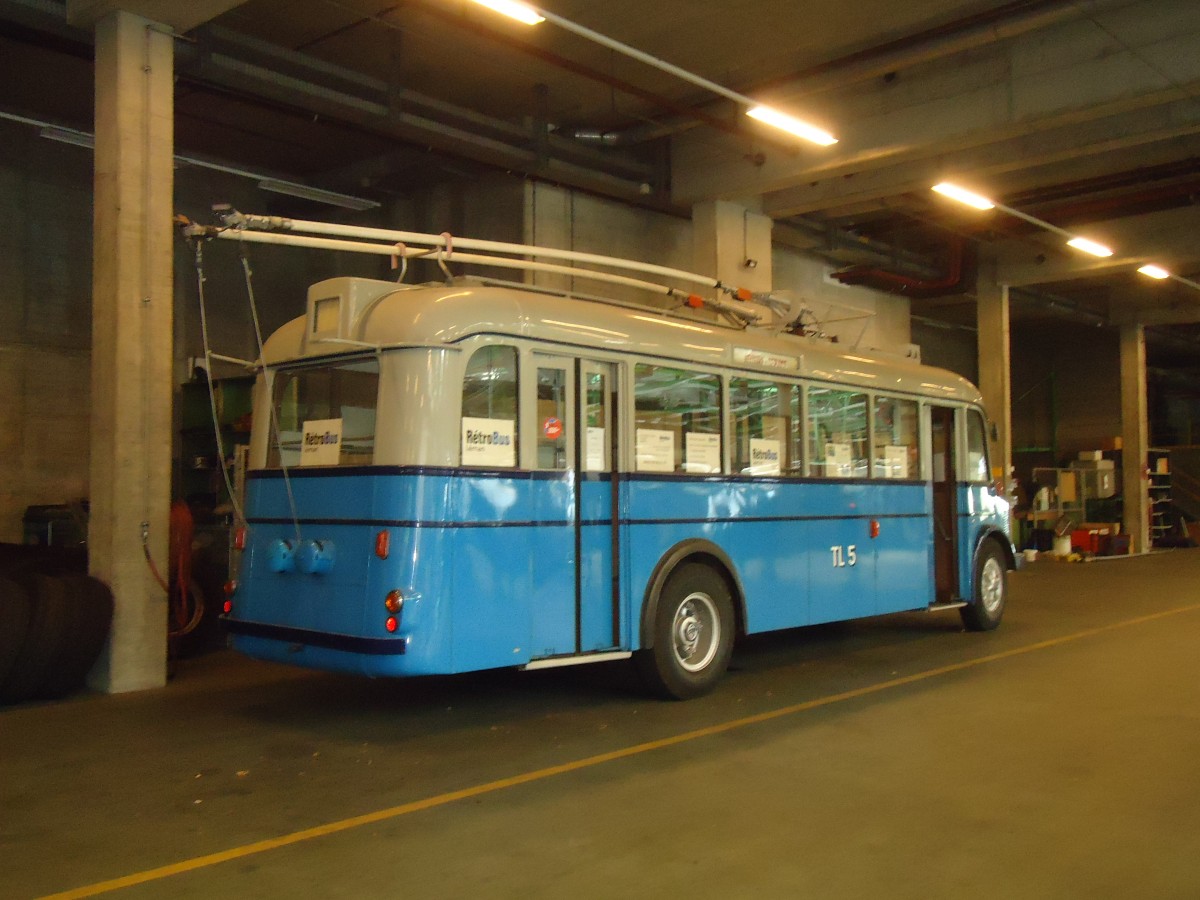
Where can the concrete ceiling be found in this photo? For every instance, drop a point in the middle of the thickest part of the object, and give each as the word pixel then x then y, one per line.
pixel 1085 113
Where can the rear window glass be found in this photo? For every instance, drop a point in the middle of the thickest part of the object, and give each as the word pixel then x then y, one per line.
pixel 325 416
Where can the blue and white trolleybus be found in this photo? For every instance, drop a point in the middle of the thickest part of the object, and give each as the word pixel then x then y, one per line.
pixel 470 475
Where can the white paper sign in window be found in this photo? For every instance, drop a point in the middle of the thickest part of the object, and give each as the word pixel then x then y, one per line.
pixel 702 452
pixel 764 456
pixel 655 450
pixel 839 460
pixel 895 460
pixel 489 442
pixel 321 442
pixel 594 458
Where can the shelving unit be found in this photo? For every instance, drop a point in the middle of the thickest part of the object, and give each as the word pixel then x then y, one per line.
pixel 1159 462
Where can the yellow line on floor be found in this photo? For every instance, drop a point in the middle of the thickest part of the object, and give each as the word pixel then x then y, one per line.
pixel 394 812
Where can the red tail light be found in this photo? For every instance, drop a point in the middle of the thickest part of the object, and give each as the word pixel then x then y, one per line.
pixel 228 607
pixel 391 624
pixel 383 542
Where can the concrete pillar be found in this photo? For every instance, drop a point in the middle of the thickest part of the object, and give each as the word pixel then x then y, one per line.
pixel 995 374
pixel 132 342
pixel 725 237
pixel 1135 437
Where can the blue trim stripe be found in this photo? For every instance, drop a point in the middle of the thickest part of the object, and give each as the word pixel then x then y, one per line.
pixel 411 523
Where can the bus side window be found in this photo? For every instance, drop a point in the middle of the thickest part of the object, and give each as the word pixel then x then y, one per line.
pixel 489 408
pixel 895 445
pixel 977 461
pixel 763 414
pixel 837 433
pixel 677 420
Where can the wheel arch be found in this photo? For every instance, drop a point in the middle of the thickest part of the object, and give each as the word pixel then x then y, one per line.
pixel 999 536
pixel 690 550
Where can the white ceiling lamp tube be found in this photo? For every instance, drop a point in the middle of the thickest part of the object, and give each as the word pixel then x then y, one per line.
pixel 1089 246
pixel 520 11
pixel 962 195
pixel 1156 272
pixel 792 125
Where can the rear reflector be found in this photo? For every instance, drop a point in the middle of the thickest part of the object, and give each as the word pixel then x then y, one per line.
pixel 391 624
pixel 239 539
pixel 228 607
pixel 383 542
pixel 393 602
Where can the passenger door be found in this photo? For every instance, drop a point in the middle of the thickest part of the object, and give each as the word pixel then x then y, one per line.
pixel 944 503
pixel 573 423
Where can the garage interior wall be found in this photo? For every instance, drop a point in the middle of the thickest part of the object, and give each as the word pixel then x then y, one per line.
pixel 46 314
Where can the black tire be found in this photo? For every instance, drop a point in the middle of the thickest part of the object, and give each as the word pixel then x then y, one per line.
pixel 989 589
pixel 15 612
pixel 44 642
pixel 89 611
pixel 693 634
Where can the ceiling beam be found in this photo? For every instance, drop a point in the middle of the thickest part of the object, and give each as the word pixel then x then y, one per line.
pixel 1056 78
pixel 1167 238
pixel 1075 145
pixel 181 15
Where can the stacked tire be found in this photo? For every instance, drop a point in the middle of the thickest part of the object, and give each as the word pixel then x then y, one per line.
pixel 52 629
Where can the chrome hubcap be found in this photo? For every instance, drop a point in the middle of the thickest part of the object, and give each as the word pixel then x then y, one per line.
pixel 991 585
pixel 696 632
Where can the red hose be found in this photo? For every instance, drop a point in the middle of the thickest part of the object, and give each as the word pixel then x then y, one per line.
pixel 182 529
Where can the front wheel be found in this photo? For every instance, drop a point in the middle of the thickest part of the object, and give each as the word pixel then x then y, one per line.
pixel 991 590
pixel 693 634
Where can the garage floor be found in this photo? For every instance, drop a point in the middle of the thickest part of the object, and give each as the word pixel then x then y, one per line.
pixel 898 757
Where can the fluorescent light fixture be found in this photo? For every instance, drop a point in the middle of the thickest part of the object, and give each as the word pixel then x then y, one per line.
pixel 1080 243
pixel 68 136
pixel 962 195
pixel 519 11
pixel 1152 271
pixel 790 124
pixel 304 192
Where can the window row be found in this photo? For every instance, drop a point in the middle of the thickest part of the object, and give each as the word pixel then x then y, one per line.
pixel 777 428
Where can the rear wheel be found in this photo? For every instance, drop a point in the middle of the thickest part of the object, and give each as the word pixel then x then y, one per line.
pixel 693 634
pixel 984 611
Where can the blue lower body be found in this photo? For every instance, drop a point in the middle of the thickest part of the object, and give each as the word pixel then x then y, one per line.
pixel 502 569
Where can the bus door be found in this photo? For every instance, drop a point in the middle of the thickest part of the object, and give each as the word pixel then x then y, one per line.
pixel 599 518
pixel 573 597
pixel 945 505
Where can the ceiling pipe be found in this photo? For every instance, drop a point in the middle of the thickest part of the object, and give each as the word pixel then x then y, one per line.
pixel 634 135
pixel 954 281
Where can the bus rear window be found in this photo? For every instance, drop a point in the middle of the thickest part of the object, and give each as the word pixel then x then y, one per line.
pixel 325 415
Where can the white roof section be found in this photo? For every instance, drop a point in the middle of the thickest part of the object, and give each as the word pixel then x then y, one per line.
pixel 352 315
